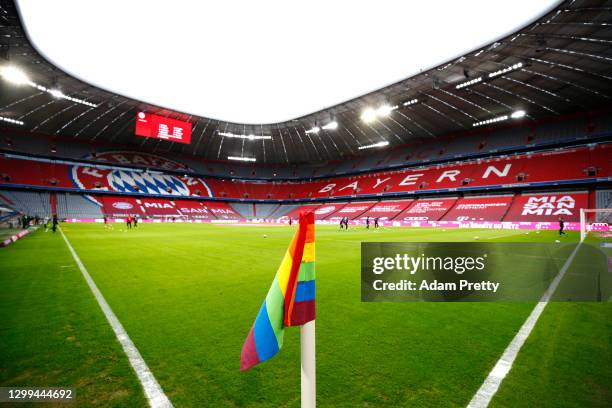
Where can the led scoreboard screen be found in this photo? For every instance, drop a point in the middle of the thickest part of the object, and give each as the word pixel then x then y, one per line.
pixel 159 127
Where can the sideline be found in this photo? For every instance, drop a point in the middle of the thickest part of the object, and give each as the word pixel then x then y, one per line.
pixel 153 391
pixel 491 384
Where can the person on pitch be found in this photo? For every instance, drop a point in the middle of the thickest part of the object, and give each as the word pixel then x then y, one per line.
pixel 376 222
pixel 135 220
pixel 55 222
pixel 128 222
pixel 367 222
pixel 561 226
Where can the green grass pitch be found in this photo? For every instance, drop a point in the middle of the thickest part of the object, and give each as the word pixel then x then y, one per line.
pixel 187 295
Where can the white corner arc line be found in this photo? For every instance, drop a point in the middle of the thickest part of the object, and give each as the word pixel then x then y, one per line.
pixel 491 384
pixel 153 391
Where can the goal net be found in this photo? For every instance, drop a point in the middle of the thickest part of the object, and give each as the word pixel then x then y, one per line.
pixel 597 221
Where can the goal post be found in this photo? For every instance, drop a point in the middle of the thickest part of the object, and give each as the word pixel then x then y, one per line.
pixel 594 219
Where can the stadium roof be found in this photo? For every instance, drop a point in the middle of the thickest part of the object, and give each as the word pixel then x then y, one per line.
pixel 559 64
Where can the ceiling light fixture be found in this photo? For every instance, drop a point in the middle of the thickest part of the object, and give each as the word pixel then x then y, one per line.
pixel 385 110
pixel 514 115
pixel 16 76
pixel 242 136
pixel 410 102
pixel 12 121
pixel 240 158
pixel 315 129
pixel 379 144
pixel 503 71
pixel 331 125
pixel 469 83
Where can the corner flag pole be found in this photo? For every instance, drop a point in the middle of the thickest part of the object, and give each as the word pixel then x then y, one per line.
pixel 309 380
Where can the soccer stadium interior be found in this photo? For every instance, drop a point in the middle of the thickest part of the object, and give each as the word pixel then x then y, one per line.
pixel 509 142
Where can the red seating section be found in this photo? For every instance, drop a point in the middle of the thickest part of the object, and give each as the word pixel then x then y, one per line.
pixel 545 167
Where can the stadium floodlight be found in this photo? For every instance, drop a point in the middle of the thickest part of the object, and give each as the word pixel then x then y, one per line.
pixel 315 129
pixel 379 144
pixel 241 158
pixel 385 110
pixel 469 83
pixel 242 136
pixel 410 102
pixel 56 93
pixel 14 75
pixel 518 114
pixel 11 121
pixel 368 115
pixel 503 71
pixel 331 125
pixel 18 77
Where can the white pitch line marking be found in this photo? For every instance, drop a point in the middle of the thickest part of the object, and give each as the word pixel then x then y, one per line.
pixel 491 384
pixel 153 391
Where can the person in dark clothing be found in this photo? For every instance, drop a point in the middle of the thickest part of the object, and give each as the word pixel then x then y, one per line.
pixel 367 222
pixel 290 221
pixel 135 220
pixel 54 223
pixel 561 226
pixel 376 222
pixel 346 220
pixel 341 222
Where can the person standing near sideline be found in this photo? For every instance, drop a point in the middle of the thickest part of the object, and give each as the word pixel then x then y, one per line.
pixel 376 222
pixel 54 223
pixel 367 222
pixel 135 219
pixel 128 222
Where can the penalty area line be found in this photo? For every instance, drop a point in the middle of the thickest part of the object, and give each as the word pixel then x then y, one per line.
pixel 491 384
pixel 153 391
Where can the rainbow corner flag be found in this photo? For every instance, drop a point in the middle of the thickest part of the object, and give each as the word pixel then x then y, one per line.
pixel 290 300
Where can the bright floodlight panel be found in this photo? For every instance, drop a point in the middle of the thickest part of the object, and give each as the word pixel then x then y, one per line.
pixel 261 61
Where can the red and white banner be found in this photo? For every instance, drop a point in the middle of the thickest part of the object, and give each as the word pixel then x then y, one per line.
pixel 351 211
pixel 326 210
pixel 193 209
pixel 386 210
pixel 120 207
pixel 426 210
pixel 548 207
pixel 479 209
pixel 222 211
pixel 295 213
